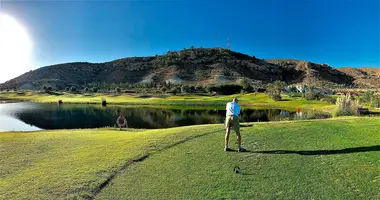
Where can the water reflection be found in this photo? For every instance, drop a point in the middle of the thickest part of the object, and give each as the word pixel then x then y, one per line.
pixel 54 116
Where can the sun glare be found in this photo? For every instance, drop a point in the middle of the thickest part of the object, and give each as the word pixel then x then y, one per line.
pixel 15 48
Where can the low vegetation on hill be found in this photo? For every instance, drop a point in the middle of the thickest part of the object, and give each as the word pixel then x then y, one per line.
pixel 194 66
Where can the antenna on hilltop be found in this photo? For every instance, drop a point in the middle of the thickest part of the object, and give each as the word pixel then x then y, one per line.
pixel 215 40
pixel 228 42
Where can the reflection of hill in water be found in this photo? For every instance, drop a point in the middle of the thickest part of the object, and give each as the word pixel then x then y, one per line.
pixel 51 116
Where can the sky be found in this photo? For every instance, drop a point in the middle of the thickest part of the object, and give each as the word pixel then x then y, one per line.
pixel 336 32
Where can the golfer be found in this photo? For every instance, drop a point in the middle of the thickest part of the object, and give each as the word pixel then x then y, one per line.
pixel 232 120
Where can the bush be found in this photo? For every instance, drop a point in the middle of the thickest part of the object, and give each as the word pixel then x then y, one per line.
pixel 67 89
pixel 47 88
pixel 313 94
pixel 275 88
pixel 329 100
pixel 295 94
pixel 118 90
pixel 346 106
pixel 163 89
pixel 276 97
pixel 86 89
pixel 104 102
pixel 95 89
pixel 174 90
pixel 367 96
pixel 209 89
pixel 376 101
pixel 227 89
pixel 73 89
pixel 246 86
pixel 185 89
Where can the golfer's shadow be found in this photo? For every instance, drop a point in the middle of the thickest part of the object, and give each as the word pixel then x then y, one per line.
pixel 246 125
pixel 324 152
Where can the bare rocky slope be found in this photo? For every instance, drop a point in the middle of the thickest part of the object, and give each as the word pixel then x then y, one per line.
pixel 200 66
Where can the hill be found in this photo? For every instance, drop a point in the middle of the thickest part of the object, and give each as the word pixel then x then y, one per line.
pixel 364 77
pixel 200 66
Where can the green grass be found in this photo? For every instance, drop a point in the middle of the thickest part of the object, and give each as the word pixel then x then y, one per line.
pixel 259 100
pixel 189 162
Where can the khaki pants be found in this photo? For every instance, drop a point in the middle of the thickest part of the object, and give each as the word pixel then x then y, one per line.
pixel 233 120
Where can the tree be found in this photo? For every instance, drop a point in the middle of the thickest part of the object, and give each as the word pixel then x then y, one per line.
pixel 73 89
pixel 86 89
pixel 274 89
pixel 209 89
pixel 244 83
pixel 174 90
pixel 47 88
pixel 118 90
pixel 95 89
pixel 163 89
pixel 67 89
pixel 185 89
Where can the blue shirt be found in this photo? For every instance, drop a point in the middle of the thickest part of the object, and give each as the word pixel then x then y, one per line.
pixel 232 108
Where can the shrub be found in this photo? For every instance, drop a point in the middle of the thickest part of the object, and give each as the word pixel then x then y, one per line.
pixel 104 102
pixel 274 90
pixel 118 90
pixel 276 97
pixel 227 89
pixel 329 100
pixel 376 101
pixel 73 89
pixel 313 94
pixel 185 89
pixel 209 89
pixel 246 86
pixel 346 106
pixel 367 96
pixel 86 89
pixel 295 94
pixel 163 89
pixel 67 89
pixel 47 88
pixel 174 90
pixel 95 89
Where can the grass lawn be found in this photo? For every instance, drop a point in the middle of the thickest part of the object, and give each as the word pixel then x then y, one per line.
pixel 326 159
pixel 258 100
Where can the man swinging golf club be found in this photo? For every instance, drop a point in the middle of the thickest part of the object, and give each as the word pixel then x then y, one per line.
pixel 232 120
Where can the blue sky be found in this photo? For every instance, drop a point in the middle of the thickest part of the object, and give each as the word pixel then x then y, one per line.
pixel 336 32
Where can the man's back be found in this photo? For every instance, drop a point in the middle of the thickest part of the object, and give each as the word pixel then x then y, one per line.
pixel 232 108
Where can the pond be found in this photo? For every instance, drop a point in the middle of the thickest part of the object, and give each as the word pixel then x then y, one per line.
pixel 26 116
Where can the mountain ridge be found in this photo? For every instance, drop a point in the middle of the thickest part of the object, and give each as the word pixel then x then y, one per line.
pixel 196 66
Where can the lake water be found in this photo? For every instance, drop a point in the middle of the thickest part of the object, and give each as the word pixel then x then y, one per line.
pixel 28 116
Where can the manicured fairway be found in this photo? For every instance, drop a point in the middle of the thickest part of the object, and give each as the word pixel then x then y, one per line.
pixel 258 100
pixel 326 159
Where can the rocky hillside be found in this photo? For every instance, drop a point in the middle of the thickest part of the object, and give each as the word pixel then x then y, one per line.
pixel 201 66
pixel 364 77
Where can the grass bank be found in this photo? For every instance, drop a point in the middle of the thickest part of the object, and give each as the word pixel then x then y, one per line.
pixel 259 100
pixel 323 159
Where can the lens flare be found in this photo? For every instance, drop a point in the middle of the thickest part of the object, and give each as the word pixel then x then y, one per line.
pixel 15 48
